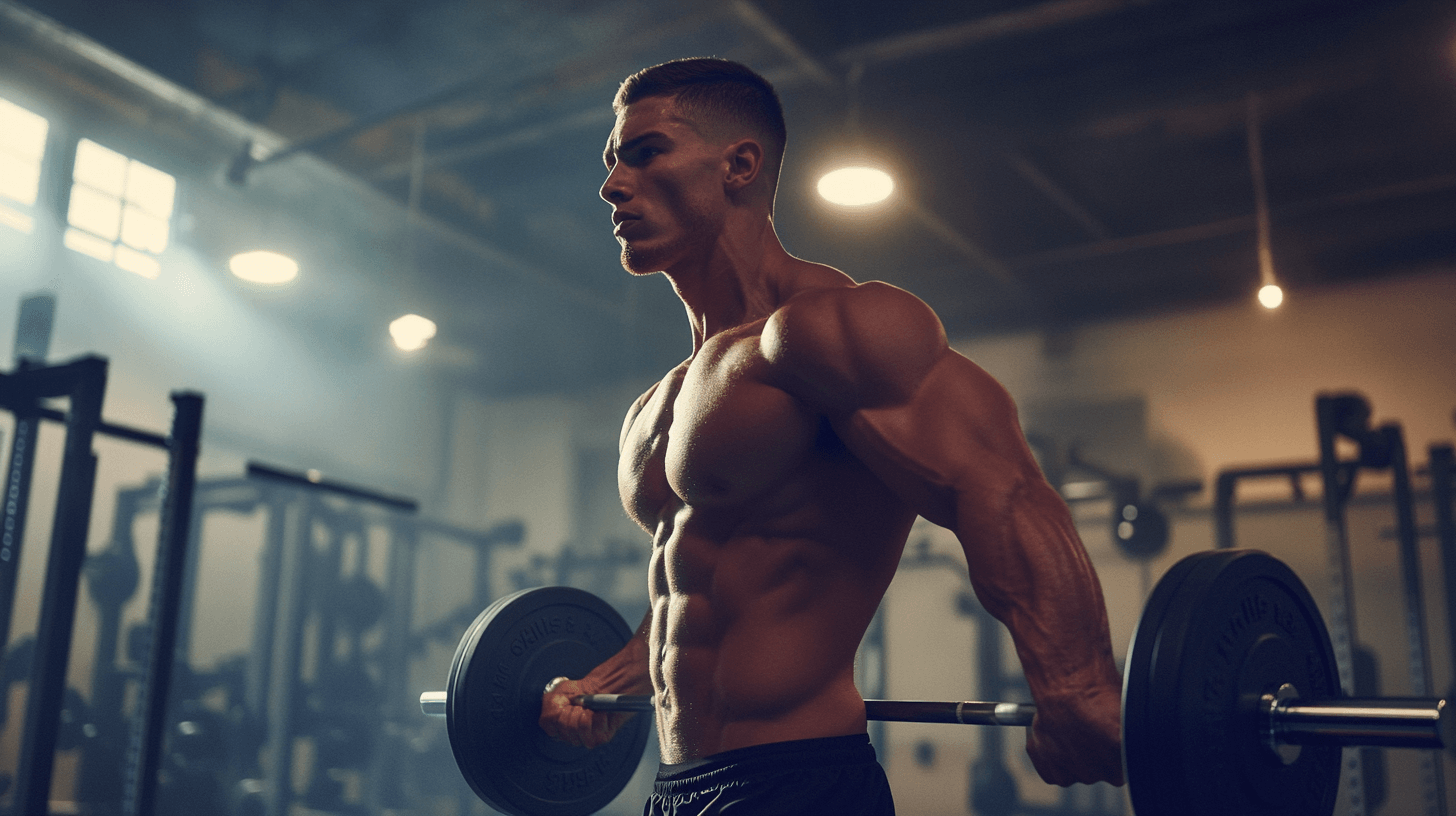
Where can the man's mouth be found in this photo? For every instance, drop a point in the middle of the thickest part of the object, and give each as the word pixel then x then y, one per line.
pixel 624 222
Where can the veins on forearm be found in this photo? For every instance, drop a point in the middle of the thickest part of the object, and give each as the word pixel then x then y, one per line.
pixel 627 671
pixel 1032 573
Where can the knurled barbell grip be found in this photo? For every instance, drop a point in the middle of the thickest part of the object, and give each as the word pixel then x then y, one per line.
pixel 614 702
pixel 968 712
pixel 965 712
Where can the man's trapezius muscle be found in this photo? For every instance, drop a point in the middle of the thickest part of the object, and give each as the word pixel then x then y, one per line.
pixel 779 468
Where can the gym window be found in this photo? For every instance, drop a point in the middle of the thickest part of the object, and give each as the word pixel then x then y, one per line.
pixel 120 209
pixel 22 145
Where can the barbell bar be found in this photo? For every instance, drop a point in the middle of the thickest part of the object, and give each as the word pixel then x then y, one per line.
pixel 1392 722
pixel 1231 700
pixel 968 712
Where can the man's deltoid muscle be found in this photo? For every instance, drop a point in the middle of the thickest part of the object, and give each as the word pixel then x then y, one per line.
pixel 778 470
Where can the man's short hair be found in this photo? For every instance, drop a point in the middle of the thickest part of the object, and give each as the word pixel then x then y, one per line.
pixel 714 91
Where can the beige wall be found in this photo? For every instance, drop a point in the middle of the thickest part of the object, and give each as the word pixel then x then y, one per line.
pixel 1236 384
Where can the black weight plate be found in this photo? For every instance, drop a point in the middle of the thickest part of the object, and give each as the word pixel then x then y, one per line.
pixel 1222 628
pixel 509 654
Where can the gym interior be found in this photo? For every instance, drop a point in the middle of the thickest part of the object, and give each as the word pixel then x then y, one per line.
pixel 316 344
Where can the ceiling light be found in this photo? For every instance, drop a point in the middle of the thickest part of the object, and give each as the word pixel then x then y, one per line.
pixel 262 266
pixel 1270 295
pixel 856 186
pixel 411 332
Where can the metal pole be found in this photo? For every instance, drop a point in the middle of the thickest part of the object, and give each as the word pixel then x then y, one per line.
pixel 270 569
pixel 1443 473
pixel 385 789
pixel 284 689
pixel 1223 511
pixel 1337 481
pixel 12 515
pixel 1433 786
pixel 67 555
pixel 149 726
pixel 32 344
pixel 112 576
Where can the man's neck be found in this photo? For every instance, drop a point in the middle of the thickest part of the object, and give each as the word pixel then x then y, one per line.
pixel 738 279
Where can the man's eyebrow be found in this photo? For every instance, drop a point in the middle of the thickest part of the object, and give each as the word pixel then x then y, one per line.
pixel 610 152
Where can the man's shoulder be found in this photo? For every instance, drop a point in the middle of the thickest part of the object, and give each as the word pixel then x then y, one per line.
pixel 853 306
pixel 858 343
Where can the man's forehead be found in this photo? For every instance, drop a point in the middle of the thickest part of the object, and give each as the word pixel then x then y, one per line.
pixel 654 113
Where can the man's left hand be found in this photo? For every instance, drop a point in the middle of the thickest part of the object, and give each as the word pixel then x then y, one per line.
pixel 1078 739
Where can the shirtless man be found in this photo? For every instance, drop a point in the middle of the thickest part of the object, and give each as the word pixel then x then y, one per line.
pixel 779 469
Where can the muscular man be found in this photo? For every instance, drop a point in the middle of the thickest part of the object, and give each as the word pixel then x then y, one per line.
pixel 778 470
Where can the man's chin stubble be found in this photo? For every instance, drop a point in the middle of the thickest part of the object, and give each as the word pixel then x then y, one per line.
pixel 636 263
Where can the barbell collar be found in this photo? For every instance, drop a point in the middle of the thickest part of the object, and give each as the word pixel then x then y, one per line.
pixel 433 703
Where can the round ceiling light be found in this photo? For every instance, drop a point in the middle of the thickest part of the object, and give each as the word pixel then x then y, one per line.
pixel 1271 296
pixel 263 266
pixel 856 186
pixel 411 332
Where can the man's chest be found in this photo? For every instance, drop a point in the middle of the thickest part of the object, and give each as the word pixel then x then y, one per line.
pixel 714 433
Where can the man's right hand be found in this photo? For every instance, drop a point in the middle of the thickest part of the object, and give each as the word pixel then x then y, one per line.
pixel 564 720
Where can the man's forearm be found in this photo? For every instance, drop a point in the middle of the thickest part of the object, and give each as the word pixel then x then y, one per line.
pixel 628 671
pixel 1031 572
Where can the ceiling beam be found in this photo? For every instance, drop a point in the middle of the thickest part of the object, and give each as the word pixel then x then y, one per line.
pixel 1059 196
pixel 524 137
pixel 968 249
pixel 772 33
pixel 996 26
pixel 1231 226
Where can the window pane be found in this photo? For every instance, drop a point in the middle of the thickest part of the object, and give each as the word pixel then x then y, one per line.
pixel 95 212
pixel 19 179
pixel 22 133
pixel 100 167
pixel 143 230
pixel 138 262
pixel 88 244
pixel 150 189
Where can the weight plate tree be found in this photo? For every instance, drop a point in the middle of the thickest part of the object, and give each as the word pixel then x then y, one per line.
pixel 508 655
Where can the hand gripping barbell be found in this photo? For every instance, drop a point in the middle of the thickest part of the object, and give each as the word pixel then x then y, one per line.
pixel 1231 700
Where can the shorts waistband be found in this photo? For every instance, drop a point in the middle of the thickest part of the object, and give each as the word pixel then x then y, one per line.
pixel 853 749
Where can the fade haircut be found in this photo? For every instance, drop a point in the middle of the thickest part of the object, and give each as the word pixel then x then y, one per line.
pixel 715 92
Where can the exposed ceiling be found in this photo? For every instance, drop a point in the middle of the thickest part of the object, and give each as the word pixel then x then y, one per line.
pixel 1059 161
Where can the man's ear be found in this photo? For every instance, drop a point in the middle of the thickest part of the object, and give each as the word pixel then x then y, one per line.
pixel 744 159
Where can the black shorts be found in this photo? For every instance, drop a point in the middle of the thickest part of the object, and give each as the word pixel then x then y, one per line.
pixel 833 775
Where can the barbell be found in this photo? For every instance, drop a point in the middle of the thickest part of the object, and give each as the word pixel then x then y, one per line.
pixel 1231 700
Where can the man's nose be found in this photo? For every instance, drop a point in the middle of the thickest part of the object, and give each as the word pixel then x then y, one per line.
pixel 614 189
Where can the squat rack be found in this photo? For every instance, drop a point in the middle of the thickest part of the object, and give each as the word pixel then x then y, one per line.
pixel 82 382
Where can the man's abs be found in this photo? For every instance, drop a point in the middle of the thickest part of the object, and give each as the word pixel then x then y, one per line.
pixel 753 640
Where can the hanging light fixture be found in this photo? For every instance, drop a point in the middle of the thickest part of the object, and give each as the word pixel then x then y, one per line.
pixel 859 182
pixel 1270 293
